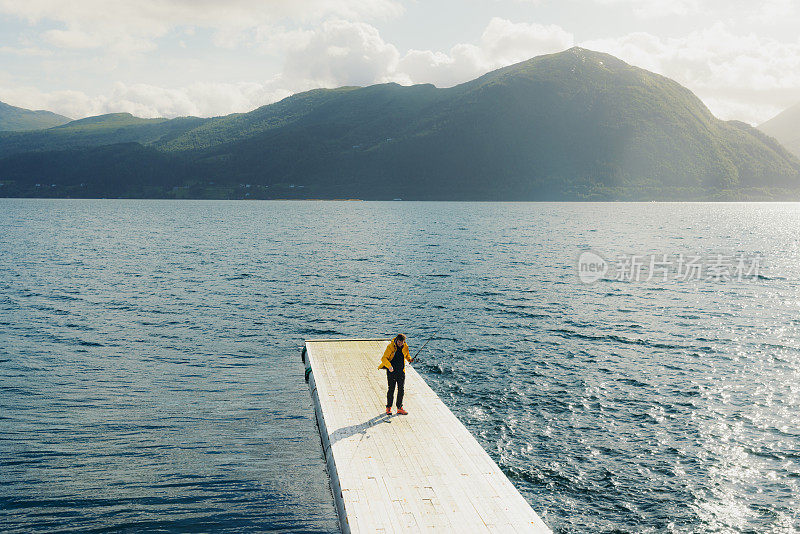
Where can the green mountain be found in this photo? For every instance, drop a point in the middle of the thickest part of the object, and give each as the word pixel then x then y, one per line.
pixel 17 119
pixel 96 131
pixel 785 128
pixel 572 125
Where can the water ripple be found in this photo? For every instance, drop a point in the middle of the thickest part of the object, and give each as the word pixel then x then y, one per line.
pixel 150 376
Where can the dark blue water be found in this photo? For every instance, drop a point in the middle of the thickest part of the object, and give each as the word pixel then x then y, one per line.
pixel 150 376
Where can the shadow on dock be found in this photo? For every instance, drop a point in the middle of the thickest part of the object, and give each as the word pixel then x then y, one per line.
pixel 361 428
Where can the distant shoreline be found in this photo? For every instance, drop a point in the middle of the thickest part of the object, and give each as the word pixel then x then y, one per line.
pixel 744 199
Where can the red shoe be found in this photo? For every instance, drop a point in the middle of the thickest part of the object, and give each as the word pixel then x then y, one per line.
pixel 401 411
pixel 388 411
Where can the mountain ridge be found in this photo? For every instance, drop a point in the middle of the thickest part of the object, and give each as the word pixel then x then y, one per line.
pixel 572 125
pixel 13 118
pixel 784 128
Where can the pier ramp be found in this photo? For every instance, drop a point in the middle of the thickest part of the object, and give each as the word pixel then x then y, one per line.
pixel 422 472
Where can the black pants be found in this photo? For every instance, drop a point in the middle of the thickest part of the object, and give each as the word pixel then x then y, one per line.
pixel 398 378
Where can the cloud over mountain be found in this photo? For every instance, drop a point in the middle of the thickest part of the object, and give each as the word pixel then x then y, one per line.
pixel 175 57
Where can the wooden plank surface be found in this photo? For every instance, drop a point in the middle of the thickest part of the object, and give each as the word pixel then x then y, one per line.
pixel 422 472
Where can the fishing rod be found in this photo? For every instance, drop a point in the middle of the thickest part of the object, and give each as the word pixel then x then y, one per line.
pixel 425 345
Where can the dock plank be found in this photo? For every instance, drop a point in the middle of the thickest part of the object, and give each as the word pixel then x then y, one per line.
pixel 423 472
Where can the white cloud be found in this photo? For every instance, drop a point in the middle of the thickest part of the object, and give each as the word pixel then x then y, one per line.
pixel 71 39
pixel 502 43
pixel 741 76
pixel 738 74
pixel 74 104
pixel 143 100
pixel 768 11
pixel 336 52
pixel 505 42
pixel 122 26
pixel 463 62
pixel 349 53
pixel 656 8
pixel 340 52
pixel 25 51
pixel 763 11
pixel 199 99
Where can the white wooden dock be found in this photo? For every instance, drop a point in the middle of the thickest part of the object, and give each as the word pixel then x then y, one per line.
pixel 414 473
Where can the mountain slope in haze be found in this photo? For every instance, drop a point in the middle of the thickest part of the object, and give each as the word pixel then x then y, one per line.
pixel 572 125
pixel 551 127
pixel 785 128
pixel 17 119
pixel 96 131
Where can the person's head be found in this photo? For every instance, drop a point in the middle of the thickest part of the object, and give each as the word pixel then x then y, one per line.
pixel 399 340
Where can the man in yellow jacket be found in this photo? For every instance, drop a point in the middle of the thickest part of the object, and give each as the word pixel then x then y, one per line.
pixel 394 361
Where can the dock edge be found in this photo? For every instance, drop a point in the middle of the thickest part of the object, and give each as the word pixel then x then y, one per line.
pixel 333 474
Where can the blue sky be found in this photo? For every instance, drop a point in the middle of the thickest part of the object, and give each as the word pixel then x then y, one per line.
pixel 205 57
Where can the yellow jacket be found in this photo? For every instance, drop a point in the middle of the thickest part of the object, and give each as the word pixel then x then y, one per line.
pixel 386 360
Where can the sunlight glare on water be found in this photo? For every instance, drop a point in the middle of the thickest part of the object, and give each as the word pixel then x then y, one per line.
pixel 150 375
